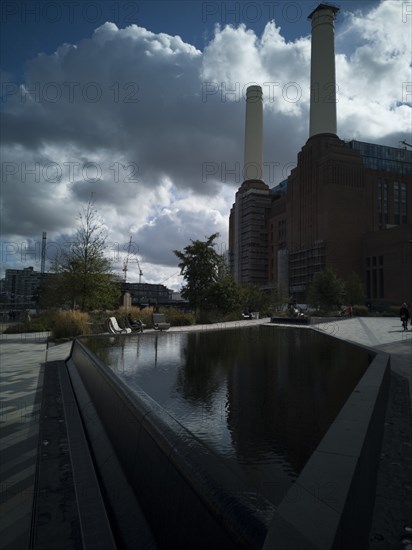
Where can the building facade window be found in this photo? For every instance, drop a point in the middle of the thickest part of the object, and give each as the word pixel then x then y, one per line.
pixel 368 283
pixel 382 200
pixel 403 203
pixel 396 211
pixel 375 281
pixel 400 211
pixel 282 234
pixel 388 159
pixel 303 264
pixel 379 200
pixel 385 201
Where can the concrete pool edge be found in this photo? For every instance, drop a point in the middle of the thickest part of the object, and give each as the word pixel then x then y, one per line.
pixel 330 506
pixel 186 492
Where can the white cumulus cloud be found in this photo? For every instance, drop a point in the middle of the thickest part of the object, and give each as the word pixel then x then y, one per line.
pixel 154 127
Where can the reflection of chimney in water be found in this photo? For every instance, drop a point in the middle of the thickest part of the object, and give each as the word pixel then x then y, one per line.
pixel 253 159
pixel 322 71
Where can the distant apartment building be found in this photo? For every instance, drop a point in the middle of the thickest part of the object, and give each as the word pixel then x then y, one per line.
pixel 20 287
pixel 146 294
pixel 248 235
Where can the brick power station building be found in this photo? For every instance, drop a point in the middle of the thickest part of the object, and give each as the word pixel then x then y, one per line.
pixel 346 206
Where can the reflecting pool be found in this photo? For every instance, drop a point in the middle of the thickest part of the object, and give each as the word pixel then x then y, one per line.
pixel 259 397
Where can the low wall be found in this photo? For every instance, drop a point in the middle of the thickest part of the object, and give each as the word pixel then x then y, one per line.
pixel 304 320
pixel 330 506
pixel 291 320
pixel 189 497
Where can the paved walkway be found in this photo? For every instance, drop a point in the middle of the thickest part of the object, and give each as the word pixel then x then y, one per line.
pixel 21 372
pixel 392 521
pixel 381 333
pixel 21 380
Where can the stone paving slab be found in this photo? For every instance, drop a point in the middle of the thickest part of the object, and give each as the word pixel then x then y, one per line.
pixel 21 381
pixel 391 527
pixel 379 333
pixel 368 331
pixel 20 392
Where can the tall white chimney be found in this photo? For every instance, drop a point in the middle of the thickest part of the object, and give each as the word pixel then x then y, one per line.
pixel 322 71
pixel 253 158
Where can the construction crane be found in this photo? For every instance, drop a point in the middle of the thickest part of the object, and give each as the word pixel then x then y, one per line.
pixel 126 262
pixel 404 143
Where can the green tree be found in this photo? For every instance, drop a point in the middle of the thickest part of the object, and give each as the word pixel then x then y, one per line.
pixel 208 285
pixel 83 277
pixel 266 302
pixel 354 290
pixel 224 294
pixel 277 298
pixel 326 291
pixel 51 290
pixel 252 297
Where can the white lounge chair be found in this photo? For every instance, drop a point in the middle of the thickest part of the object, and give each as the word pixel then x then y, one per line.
pixel 159 322
pixel 114 328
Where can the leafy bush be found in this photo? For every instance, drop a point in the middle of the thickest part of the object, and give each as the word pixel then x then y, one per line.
pixel 354 289
pixel 325 313
pixel 361 311
pixel 175 317
pixel 68 324
pixel 178 318
pixel 210 316
pixel 40 323
pixel 326 290
pixel 15 329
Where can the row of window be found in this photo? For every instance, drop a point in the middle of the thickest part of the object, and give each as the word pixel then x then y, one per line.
pixel 374 277
pixel 381 157
pixel 391 200
pixel 386 165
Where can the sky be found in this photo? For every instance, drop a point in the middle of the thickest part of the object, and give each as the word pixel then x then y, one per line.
pixel 142 104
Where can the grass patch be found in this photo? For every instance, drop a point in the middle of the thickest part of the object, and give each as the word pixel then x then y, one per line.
pixel 68 324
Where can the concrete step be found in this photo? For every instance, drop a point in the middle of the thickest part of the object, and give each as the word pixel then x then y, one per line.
pixel 69 511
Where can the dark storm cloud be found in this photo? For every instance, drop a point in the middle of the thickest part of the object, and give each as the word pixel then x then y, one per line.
pixel 154 128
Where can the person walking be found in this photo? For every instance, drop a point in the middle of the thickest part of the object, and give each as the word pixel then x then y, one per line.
pixel 404 315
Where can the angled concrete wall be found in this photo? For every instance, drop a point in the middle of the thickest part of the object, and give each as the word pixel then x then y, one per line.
pixel 189 497
pixel 330 506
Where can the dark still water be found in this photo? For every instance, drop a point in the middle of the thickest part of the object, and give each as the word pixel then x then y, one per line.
pixel 261 397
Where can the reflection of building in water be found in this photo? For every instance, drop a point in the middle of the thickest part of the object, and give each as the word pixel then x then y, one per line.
pixel 261 398
pixel 282 399
pixel 253 420
pixel 203 371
